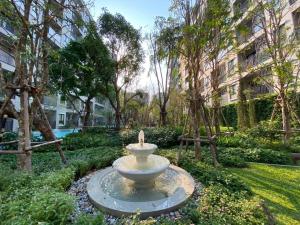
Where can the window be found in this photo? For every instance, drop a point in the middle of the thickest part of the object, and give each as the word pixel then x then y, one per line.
pixel 230 67
pixel 62 100
pixel 233 91
pixel 61 119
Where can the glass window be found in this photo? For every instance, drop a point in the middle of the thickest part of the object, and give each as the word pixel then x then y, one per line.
pixel 230 67
pixel 61 119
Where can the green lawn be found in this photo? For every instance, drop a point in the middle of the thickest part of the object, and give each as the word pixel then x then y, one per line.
pixel 278 186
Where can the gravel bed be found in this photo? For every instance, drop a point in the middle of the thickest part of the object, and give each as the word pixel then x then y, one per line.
pixel 83 204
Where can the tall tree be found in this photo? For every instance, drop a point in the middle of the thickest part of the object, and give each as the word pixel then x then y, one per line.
pixel 218 26
pixel 164 61
pixel 31 44
pixel 81 71
pixel 124 43
pixel 282 49
pixel 192 52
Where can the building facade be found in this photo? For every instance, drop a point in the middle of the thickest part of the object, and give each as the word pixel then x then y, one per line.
pixel 248 56
pixel 60 113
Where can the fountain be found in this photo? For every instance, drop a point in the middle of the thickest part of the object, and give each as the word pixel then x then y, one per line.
pixel 141 182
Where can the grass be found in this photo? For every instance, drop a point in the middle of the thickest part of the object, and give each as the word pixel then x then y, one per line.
pixel 278 186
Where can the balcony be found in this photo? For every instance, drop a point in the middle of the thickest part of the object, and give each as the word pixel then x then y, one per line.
pixel 297 33
pixel 74 105
pixel 7 58
pixel 7 26
pixel 75 33
pixel 1 94
pixel 50 101
pixel 98 110
pixel 241 6
pixel 54 37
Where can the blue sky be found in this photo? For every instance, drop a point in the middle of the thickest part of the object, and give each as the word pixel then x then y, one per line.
pixel 140 13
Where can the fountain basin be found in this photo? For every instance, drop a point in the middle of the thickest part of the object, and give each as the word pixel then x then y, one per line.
pixel 143 174
pixel 111 192
pixel 141 152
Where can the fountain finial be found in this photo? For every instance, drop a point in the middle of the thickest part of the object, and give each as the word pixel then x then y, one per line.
pixel 141 137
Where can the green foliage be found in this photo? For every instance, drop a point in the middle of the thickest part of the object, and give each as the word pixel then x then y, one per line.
pixel 41 198
pixel 90 139
pixel 219 206
pixel 82 68
pixel 255 155
pixel 162 137
pixel 278 186
pixel 84 219
pixel 209 175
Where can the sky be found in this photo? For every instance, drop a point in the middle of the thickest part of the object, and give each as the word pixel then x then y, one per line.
pixel 141 14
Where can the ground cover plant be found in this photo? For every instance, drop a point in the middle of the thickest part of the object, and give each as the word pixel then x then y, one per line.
pixel 278 186
pixel 226 199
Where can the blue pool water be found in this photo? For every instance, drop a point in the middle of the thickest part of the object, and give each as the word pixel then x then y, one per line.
pixel 59 133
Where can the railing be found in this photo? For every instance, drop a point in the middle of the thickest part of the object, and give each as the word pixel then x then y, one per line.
pixel 54 37
pixel 7 26
pixel 241 7
pixel 249 62
pixel 297 32
pixel 98 110
pixel 50 101
pixel 292 2
pixel 6 58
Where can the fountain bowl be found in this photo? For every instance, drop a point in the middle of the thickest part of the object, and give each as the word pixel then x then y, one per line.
pixel 143 174
pixel 141 152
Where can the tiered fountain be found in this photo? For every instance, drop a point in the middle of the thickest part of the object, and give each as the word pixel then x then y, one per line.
pixel 140 182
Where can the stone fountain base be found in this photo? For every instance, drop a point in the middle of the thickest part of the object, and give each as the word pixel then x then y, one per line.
pixel 109 191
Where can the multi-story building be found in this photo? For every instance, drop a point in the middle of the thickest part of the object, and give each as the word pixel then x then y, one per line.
pixel 60 113
pixel 244 62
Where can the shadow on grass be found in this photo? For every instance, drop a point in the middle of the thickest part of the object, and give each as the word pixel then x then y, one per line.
pixel 281 193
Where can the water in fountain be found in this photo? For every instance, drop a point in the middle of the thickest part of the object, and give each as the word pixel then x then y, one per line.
pixel 141 181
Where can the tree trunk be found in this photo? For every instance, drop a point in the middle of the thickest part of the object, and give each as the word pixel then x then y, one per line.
pixel 87 114
pixel 163 115
pixel 41 123
pixel 196 126
pixel 24 159
pixel 243 120
pixel 216 115
pixel 118 119
pixel 286 125
pixel 209 133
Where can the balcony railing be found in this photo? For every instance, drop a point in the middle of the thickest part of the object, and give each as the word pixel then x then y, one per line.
pixel 297 32
pixel 241 7
pixel 98 110
pixel 50 101
pixel 7 26
pixel 7 58
pixel 292 2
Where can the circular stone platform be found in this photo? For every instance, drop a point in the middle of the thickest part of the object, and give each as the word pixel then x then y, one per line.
pixel 108 190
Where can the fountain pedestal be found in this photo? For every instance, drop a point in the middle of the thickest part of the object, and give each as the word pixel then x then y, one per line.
pixel 140 182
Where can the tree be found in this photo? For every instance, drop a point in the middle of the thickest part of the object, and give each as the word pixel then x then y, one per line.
pixel 218 26
pixel 81 71
pixel 31 45
pixel 283 49
pixel 191 47
pixel 164 61
pixel 124 44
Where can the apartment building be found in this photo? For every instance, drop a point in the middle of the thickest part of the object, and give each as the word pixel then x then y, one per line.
pixel 61 113
pixel 249 56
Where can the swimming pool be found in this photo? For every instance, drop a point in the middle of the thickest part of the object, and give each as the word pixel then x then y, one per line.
pixel 59 133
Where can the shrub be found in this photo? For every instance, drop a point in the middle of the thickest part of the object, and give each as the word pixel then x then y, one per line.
pixel 84 219
pixel 209 175
pixel 219 206
pixel 163 137
pixel 54 207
